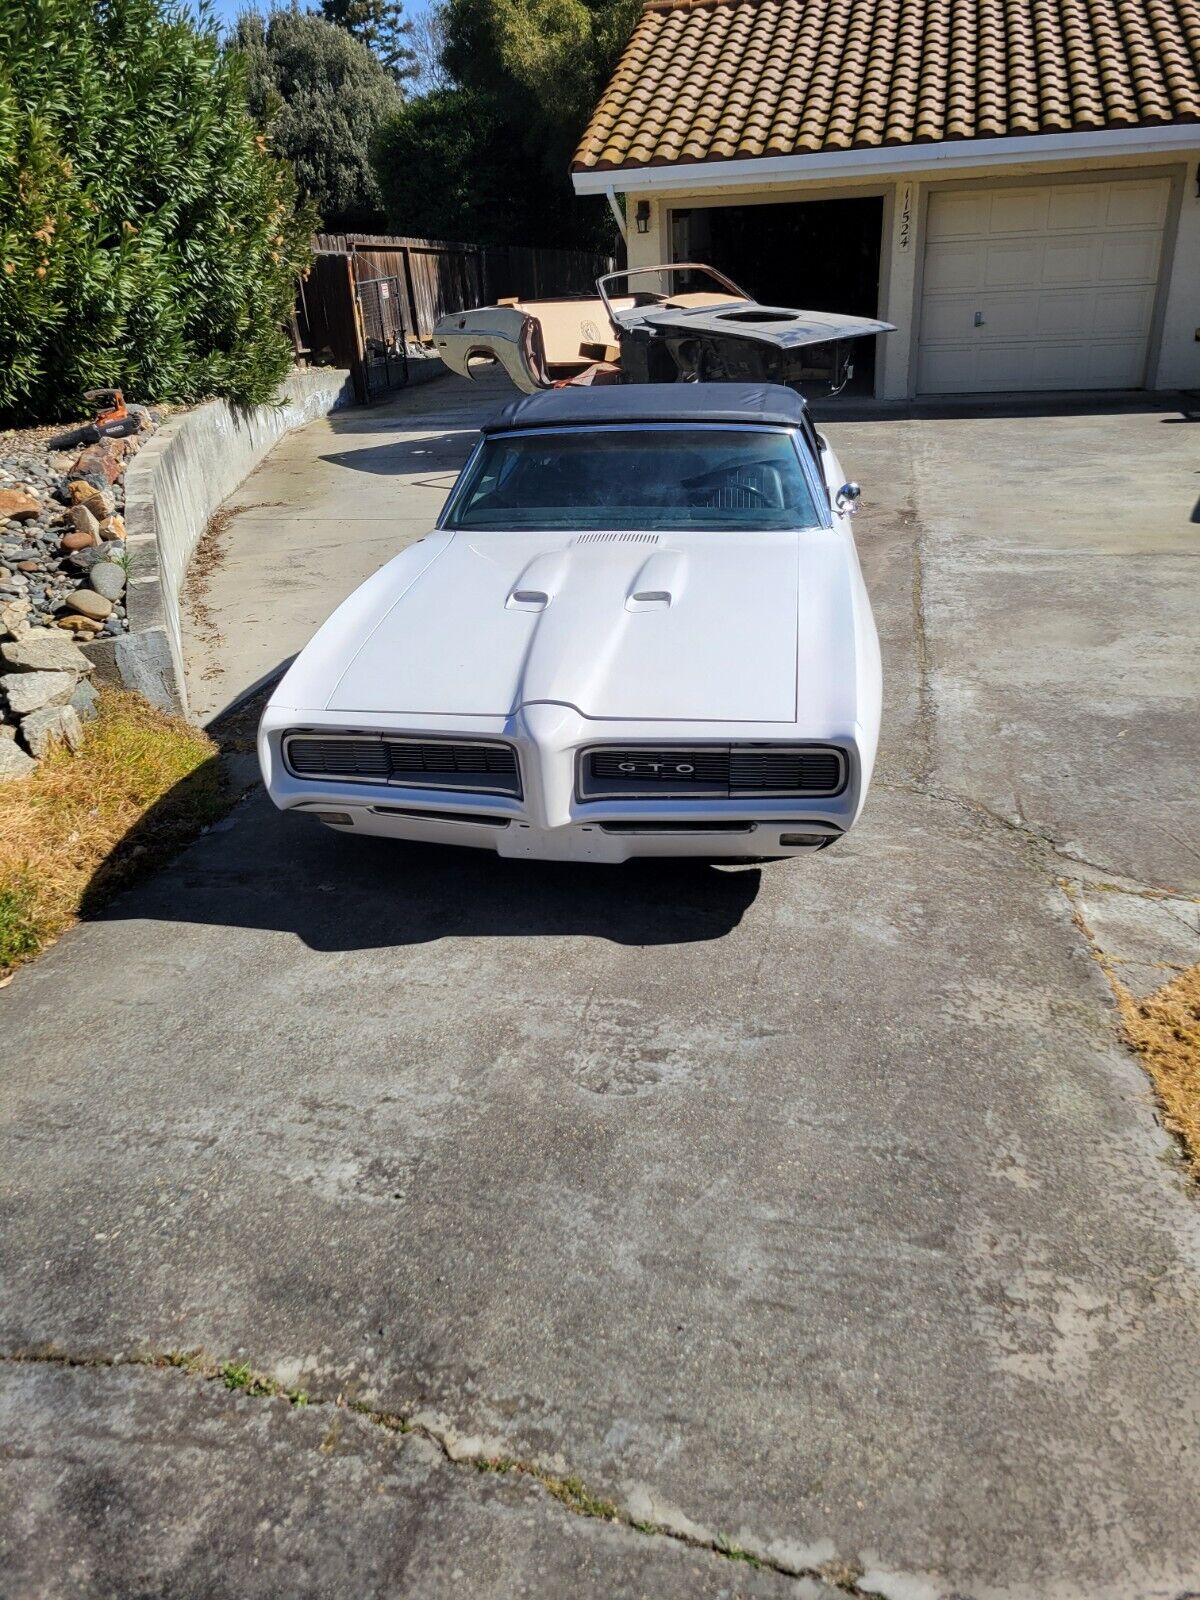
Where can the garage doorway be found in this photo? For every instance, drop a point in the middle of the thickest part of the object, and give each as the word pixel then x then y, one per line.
pixel 817 255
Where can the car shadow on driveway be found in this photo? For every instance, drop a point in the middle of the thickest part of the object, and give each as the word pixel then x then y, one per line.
pixel 435 452
pixel 288 874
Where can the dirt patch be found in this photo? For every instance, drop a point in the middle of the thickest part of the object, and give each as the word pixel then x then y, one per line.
pixel 81 828
pixel 1164 1029
pixel 209 555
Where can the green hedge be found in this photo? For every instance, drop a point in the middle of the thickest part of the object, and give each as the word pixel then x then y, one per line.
pixel 148 236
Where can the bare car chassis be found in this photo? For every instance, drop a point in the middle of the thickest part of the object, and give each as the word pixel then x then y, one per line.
pixel 683 322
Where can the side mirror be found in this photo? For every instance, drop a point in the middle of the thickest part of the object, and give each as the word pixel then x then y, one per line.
pixel 847 498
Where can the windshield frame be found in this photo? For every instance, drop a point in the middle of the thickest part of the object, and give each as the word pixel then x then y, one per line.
pixel 605 291
pixel 814 476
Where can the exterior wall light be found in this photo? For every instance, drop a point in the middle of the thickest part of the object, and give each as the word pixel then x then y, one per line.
pixel 642 216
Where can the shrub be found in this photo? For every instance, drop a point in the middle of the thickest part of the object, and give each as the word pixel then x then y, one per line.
pixel 452 165
pixel 148 236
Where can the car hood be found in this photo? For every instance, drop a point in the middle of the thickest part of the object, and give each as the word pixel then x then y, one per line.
pixel 773 325
pixel 689 627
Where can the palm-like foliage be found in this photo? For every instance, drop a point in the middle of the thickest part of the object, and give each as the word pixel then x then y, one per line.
pixel 148 236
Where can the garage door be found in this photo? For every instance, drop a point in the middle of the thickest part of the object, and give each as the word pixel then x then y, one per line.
pixel 1046 287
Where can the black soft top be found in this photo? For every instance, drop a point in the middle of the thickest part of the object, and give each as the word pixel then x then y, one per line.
pixel 584 406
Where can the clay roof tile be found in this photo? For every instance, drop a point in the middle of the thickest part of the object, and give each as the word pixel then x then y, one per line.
pixel 708 80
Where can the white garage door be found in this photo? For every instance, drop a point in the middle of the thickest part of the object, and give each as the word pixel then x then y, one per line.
pixel 1046 287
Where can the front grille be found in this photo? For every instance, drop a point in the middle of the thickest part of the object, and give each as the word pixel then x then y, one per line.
pixel 475 767
pixel 339 758
pixel 710 771
pixel 785 771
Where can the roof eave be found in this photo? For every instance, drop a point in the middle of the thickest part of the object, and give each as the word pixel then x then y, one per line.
pixel 889 160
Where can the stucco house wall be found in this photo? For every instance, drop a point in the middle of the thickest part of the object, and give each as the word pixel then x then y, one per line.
pixel 1174 354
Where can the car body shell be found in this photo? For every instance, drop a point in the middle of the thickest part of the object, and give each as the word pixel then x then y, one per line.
pixel 712 334
pixel 551 645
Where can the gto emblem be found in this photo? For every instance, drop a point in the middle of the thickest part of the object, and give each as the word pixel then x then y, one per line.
pixel 681 769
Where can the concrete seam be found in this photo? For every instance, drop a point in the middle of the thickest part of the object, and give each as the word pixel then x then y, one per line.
pixel 566 1490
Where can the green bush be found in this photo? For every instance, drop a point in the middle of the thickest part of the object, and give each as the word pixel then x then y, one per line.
pixel 148 236
pixel 452 165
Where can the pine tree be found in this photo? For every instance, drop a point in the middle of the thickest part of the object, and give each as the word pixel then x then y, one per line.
pixel 382 27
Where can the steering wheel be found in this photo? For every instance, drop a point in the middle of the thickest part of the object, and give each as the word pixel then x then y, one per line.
pixel 752 488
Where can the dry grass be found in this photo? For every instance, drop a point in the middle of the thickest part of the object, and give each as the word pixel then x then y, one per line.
pixel 81 828
pixel 1164 1029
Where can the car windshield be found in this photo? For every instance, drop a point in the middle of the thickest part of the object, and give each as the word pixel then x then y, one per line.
pixel 649 478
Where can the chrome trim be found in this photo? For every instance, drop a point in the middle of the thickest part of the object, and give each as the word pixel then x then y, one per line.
pixel 407 782
pixel 473 819
pixel 675 827
pixel 740 797
pixel 457 487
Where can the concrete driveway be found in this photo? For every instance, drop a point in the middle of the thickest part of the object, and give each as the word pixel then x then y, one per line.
pixel 800 1230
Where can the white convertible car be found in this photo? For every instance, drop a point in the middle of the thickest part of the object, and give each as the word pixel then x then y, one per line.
pixel 638 629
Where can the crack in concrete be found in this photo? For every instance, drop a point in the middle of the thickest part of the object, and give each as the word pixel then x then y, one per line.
pixel 567 1491
pixel 1041 844
pixel 1122 998
pixel 926 717
pixel 1034 836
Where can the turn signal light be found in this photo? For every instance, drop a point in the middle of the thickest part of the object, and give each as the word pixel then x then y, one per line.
pixel 334 819
pixel 797 841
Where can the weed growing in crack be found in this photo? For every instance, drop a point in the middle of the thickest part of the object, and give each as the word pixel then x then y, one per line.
pixel 841 1574
pixel 193 1362
pixel 571 1493
pixel 381 1419
pixel 574 1494
pixel 734 1552
pixel 244 1380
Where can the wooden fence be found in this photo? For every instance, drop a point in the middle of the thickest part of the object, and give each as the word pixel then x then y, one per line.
pixel 426 278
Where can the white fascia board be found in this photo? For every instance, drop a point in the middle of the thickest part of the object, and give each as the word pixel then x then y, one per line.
pixel 891 160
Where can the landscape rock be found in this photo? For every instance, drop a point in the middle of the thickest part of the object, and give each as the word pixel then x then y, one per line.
pixel 30 691
pixel 18 505
pixel 66 507
pixel 107 578
pixel 43 651
pixel 87 603
pixel 100 502
pixel 83 520
pixel 84 701
pixel 14 619
pixel 103 458
pixel 84 560
pixel 55 725
pixel 86 627
pixel 14 763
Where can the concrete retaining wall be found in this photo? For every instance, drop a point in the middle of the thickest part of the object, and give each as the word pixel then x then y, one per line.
pixel 172 487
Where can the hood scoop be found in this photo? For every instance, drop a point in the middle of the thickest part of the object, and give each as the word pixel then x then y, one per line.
pixel 659 582
pixel 539 583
